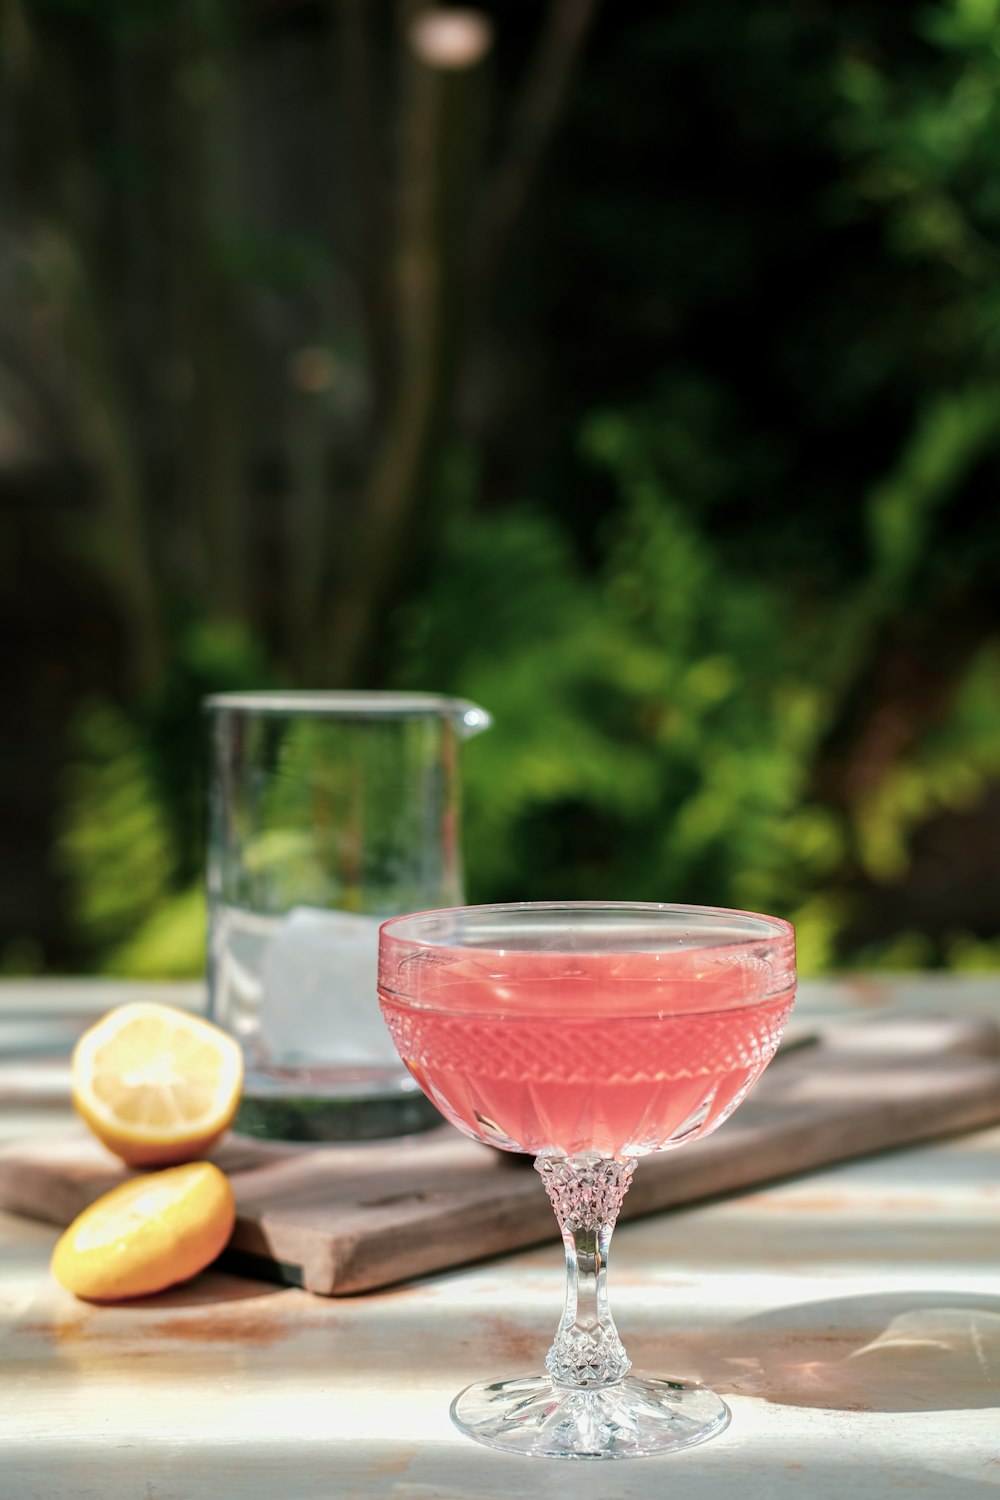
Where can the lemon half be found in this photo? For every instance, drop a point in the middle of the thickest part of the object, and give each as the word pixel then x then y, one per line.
pixel 147 1234
pixel 157 1085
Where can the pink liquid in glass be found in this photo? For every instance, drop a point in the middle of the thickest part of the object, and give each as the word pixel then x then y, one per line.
pixel 616 1053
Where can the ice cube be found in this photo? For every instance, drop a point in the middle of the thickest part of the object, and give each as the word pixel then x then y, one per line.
pixel 319 1001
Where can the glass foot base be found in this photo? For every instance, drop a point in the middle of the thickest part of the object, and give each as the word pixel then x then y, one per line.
pixel 639 1415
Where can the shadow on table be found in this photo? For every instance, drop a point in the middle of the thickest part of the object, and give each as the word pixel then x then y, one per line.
pixel 207 1290
pixel 905 1352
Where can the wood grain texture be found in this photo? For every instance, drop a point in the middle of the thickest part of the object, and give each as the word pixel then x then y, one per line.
pixel 347 1219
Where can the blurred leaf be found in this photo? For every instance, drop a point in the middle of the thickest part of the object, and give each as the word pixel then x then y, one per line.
pixel 115 846
pixel 169 945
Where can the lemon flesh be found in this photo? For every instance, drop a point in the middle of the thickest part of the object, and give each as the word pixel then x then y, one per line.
pixel 157 1085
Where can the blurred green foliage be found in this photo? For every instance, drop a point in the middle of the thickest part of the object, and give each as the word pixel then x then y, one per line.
pixel 130 840
pixel 659 728
pixel 706 517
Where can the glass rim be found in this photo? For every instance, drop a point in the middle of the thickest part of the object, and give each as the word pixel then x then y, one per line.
pixel 762 942
pixel 375 704
pixel 771 927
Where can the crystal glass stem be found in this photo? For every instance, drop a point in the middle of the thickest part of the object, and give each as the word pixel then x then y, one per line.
pixel 586 1193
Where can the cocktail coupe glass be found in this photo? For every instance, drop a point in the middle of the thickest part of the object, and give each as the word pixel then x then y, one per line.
pixel 587 1034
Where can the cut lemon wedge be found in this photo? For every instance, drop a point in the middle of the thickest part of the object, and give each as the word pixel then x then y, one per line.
pixel 147 1234
pixel 155 1084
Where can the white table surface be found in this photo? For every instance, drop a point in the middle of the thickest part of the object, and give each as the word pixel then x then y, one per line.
pixel 850 1318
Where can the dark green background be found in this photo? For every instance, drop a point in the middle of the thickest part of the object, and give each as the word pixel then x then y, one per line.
pixel 702 497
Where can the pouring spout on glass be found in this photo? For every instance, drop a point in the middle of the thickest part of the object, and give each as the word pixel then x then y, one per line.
pixel 469 718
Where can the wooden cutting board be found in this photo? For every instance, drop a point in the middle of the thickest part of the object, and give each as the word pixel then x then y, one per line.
pixel 349 1218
